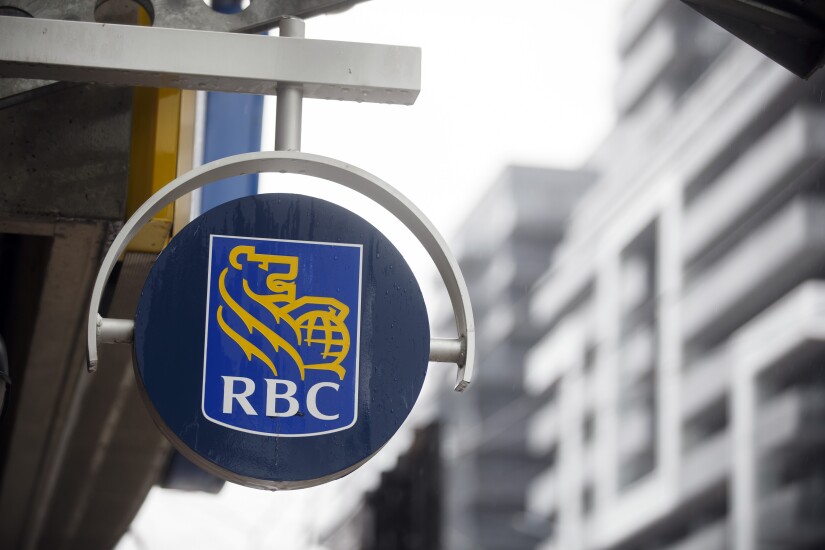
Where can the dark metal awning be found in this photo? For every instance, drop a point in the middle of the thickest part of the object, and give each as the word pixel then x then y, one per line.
pixel 791 32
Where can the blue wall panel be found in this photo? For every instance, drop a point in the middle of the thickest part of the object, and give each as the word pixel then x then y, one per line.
pixel 233 126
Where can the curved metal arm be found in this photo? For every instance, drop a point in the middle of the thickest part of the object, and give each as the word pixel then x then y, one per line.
pixel 462 352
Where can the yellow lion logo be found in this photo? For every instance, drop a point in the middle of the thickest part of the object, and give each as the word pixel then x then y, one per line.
pixel 322 321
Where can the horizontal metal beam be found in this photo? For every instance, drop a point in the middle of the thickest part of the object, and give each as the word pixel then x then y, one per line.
pixel 203 60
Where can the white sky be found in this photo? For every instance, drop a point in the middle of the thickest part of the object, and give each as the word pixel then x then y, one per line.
pixel 502 82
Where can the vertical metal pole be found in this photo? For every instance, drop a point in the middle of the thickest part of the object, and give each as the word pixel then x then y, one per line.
pixel 290 98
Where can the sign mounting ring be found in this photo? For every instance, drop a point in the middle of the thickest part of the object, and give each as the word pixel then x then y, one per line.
pixel 460 351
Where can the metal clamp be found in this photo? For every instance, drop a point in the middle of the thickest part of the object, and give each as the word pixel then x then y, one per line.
pixel 460 351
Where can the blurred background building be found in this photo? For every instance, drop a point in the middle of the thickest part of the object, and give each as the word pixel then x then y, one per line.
pixel 503 248
pixel 650 367
pixel 680 372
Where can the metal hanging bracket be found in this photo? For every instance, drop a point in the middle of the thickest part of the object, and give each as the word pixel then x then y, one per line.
pixel 288 66
pixel 460 351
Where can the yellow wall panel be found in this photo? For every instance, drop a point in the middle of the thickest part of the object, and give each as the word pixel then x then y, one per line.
pixel 154 160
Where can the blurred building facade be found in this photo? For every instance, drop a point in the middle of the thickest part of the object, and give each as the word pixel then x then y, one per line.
pixel 678 375
pixel 650 327
pixel 503 248
pixel 403 511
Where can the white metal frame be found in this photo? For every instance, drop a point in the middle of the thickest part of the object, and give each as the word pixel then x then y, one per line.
pixel 460 351
pixel 204 60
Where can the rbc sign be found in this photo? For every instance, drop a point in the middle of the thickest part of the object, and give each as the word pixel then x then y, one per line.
pixel 280 341
pixel 282 327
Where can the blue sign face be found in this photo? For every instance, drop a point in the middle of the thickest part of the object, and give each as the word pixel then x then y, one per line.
pixel 280 341
pixel 282 327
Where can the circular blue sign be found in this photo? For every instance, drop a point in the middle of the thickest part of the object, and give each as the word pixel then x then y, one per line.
pixel 280 341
